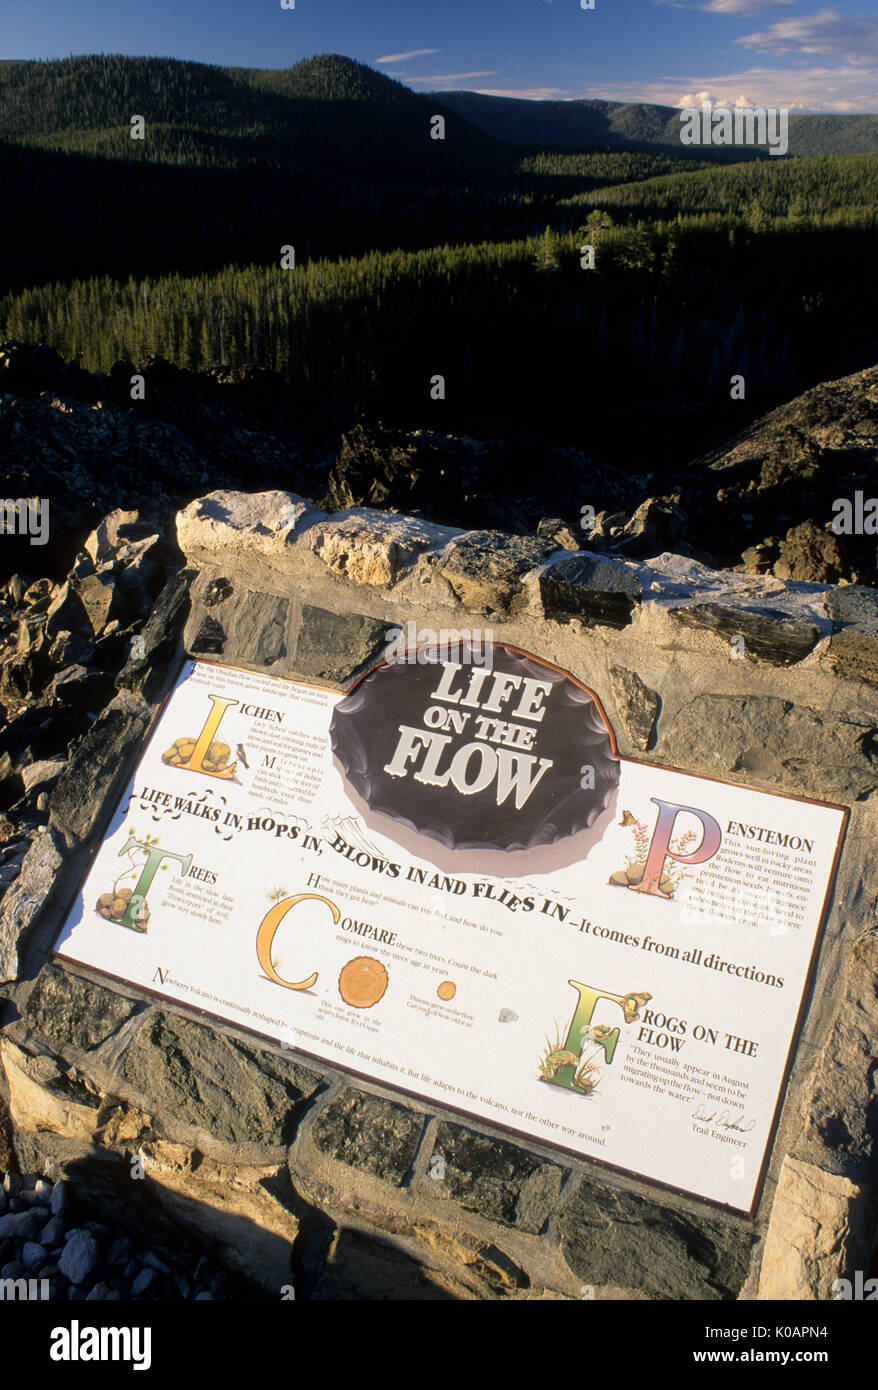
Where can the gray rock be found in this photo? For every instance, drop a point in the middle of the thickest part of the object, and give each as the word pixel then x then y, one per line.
pixel 53 1233
pixel 33 1255
pixel 38 592
pixel 359 1267
pixel 369 1133
pixel 145 1281
pixel 79 1256
pixel 148 669
pixel 638 706
pixel 774 741
pixel 24 901
pixel 496 1179
pixel 60 1201
pixel 485 569
pixel 611 1236
pixel 97 1229
pixel 332 646
pixel 13 1270
pixel 43 1191
pixel 230 522
pixel 853 646
pixel 72 1010
pixel 202 1078
pixel 138 562
pixel 119 1252
pixel 556 530
pixel 98 595
pixel 31 635
pixel 374 548
pixel 114 531
pixel 38 777
pixel 854 606
pixel 99 767
pixel 152 1261
pixel 67 613
pixel 259 633
pixel 99 1293
pixel 841 1130
pixel 24 1225
pixel 657 524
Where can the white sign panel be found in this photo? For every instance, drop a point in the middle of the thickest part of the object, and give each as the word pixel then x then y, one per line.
pixel 448 881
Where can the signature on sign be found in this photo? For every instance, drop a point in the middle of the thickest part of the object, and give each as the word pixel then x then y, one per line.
pixel 724 1120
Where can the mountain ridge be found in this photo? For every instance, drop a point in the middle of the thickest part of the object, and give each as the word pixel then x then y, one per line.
pixel 320 99
pixel 85 104
pixel 640 125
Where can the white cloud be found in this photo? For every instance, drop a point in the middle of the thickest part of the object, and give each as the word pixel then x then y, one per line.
pixel 443 78
pixel 698 99
pixel 742 7
pixel 746 8
pixel 818 88
pixel 851 38
pixel 528 93
pixel 404 57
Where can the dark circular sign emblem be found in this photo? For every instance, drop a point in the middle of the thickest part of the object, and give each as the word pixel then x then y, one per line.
pixel 504 755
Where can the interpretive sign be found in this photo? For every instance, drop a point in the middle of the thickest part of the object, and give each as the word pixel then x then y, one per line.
pixel 448 881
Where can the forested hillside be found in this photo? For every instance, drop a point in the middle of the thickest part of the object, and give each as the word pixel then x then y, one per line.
pixel 833 188
pixel 324 112
pixel 461 258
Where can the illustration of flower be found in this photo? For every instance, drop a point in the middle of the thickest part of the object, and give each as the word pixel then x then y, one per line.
pixel 672 873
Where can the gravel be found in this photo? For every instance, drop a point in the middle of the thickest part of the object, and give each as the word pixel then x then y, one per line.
pixel 50 1236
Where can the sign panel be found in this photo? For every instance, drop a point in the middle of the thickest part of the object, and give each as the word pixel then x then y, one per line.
pixel 448 881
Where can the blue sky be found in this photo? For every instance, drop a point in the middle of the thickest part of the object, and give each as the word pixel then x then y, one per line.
pixel 797 53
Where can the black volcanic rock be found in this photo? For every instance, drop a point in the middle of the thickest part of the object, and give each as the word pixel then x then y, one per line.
pixel 775 639
pixel 597 592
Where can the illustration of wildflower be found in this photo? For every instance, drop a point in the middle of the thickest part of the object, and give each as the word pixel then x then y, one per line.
pixel 672 873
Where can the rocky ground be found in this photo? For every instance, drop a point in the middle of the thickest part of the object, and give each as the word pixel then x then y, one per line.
pixel 47 1233
pixel 761 503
